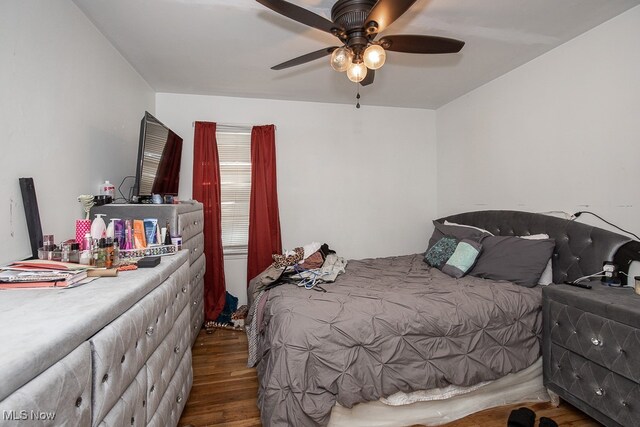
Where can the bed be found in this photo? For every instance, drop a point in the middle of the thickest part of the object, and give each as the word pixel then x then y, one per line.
pixel 396 326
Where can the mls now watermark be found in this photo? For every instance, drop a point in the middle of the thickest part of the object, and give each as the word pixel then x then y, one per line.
pixel 28 415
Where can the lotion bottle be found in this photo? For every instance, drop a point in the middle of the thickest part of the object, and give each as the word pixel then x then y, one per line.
pixel 98 227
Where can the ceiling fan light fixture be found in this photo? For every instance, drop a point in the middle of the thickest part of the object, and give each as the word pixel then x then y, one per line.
pixel 374 57
pixel 341 59
pixel 357 72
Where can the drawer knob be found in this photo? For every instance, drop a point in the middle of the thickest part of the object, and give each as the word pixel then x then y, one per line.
pixel 599 392
pixel 596 341
pixel 150 330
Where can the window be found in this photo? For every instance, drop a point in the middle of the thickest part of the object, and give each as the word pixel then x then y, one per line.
pixel 234 150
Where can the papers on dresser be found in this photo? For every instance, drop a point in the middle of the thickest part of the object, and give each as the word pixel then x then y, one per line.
pixel 12 278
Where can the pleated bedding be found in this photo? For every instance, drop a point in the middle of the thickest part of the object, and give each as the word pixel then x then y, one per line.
pixel 388 325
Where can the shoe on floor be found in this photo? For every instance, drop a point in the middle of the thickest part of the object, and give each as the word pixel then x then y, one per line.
pixel 547 422
pixel 522 417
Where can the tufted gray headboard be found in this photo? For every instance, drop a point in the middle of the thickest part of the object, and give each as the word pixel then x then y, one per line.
pixel 580 248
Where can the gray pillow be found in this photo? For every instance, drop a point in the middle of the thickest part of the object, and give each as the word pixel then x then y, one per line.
pixel 462 259
pixel 514 259
pixel 458 232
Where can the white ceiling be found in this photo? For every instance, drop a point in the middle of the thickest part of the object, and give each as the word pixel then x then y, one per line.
pixel 226 47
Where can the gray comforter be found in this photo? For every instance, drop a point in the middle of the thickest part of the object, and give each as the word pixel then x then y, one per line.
pixel 388 325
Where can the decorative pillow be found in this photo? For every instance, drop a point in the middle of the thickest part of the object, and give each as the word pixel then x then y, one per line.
pixel 547 274
pixel 458 232
pixel 463 258
pixel 511 258
pixel 441 251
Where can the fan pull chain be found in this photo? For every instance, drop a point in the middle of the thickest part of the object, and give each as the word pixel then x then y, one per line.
pixel 358 97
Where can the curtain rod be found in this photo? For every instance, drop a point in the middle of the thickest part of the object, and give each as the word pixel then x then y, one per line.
pixel 231 125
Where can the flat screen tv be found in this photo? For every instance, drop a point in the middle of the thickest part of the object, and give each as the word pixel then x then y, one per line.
pixel 159 154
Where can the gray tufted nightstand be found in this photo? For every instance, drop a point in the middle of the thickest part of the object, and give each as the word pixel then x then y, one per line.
pixel 591 350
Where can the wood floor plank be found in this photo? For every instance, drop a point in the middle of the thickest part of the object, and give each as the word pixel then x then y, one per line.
pixel 224 391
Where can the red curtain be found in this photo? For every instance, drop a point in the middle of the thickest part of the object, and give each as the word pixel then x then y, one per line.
pixel 264 219
pixel 206 189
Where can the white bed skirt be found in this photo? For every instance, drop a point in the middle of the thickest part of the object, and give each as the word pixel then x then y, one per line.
pixel 432 408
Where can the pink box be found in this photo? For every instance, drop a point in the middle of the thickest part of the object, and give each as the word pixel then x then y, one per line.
pixel 83 226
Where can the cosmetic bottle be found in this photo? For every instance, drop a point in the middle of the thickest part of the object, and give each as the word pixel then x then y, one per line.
pixel 108 248
pixel 98 227
pixel 115 255
pixel 108 189
pixel 101 260
pixel 111 232
pixel 87 243
pixel 85 257
pixel 74 254
pixel 65 252
pixel 128 236
pixel 167 236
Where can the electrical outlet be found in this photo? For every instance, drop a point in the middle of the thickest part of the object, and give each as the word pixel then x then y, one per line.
pixel 611 274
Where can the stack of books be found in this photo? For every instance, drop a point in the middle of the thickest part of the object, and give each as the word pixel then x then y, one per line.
pixel 42 274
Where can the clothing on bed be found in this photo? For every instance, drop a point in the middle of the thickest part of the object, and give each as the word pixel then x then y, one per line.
pixel 388 325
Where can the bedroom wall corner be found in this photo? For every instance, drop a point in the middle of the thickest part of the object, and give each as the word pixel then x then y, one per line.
pixel 362 181
pixel 69 115
pixel 558 133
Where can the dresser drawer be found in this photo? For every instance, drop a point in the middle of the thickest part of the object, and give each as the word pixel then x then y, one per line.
pixel 190 224
pixel 608 343
pixel 612 395
pixel 61 395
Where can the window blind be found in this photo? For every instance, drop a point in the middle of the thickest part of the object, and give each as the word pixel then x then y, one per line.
pixel 234 151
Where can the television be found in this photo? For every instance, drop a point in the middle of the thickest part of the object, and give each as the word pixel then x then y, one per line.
pixel 159 155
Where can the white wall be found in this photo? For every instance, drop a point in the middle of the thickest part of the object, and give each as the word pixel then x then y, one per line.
pixel 559 133
pixel 362 181
pixel 70 108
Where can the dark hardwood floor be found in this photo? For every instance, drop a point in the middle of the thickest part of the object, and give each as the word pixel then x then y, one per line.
pixel 224 390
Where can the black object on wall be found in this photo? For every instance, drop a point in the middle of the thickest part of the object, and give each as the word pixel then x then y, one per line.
pixel 32 213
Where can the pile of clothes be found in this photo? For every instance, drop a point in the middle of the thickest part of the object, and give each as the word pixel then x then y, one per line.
pixel 307 266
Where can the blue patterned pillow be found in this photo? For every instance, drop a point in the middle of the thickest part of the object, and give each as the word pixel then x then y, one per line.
pixel 441 251
pixel 463 259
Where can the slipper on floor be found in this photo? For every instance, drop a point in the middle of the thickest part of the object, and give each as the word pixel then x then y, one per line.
pixel 547 422
pixel 522 417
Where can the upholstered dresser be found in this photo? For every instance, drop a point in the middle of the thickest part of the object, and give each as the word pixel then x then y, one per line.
pixel 591 350
pixel 114 352
pixel 187 219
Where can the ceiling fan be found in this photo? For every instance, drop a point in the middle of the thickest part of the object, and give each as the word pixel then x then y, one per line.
pixel 357 23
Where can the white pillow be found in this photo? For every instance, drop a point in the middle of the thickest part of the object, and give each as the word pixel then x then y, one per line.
pixel 469 226
pixel 547 274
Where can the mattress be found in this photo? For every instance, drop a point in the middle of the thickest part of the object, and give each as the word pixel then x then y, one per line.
pixel 389 325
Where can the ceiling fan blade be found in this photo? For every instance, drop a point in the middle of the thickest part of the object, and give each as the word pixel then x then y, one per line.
pixel 386 11
pixel 368 79
pixel 420 44
pixel 299 14
pixel 305 58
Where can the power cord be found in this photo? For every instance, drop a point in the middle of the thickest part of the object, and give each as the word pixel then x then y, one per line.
pixel 127 200
pixel 577 214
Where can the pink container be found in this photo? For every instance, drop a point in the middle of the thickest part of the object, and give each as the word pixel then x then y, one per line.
pixel 83 226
